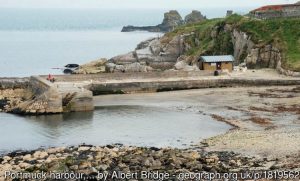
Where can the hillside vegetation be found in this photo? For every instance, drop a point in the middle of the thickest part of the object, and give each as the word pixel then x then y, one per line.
pixel 212 39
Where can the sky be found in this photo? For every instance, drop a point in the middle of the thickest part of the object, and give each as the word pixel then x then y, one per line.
pixel 151 4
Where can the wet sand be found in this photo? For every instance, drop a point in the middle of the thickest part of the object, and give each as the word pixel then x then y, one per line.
pixel 266 120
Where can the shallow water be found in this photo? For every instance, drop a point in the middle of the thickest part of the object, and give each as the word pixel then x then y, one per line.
pixel 129 125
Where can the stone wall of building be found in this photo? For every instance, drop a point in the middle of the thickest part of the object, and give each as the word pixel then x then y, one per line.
pixel 291 11
pixel 286 12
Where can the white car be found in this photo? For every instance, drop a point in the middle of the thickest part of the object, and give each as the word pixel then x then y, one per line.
pixel 70 68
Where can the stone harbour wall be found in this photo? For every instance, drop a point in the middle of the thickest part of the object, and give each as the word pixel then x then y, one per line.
pixel 130 75
pixel 159 86
pixel 14 83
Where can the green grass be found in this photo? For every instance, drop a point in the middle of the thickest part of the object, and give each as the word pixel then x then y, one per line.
pixel 282 33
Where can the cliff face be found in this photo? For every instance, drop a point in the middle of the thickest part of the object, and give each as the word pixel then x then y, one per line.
pixel 259 44
pixel 254 55
pixel 255 43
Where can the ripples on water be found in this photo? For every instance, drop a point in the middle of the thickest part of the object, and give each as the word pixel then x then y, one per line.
pixel 130 125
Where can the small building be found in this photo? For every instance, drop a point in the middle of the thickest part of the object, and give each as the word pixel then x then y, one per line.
pixel 229 13
pixel 212 63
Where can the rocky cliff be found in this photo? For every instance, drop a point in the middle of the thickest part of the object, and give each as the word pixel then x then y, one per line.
pixel 252 42
pixel 258 44
pixel 149 55
pixel 172 19
pixel 194 17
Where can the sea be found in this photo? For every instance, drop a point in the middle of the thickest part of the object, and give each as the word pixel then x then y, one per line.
pixel 41 41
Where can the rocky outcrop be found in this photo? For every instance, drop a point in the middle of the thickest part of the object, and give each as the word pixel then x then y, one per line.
pixel 94 67
pixel 132 67
pixel 194 17
pixel 182 51
pixel 186 63
pixel 254 55
pixel 171 20
pixel 258 56
pixel 263 57
pixel 150 54
pixel 242 44
pixel 286 72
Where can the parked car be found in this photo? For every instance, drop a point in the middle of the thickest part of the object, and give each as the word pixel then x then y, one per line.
pixel 70 68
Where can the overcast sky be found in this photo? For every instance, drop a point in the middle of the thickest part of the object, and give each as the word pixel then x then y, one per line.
pixel 162 4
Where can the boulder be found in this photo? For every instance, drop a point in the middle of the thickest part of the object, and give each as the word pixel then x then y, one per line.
pixel 84 148
pixel 145 43
pixel 28 157
pixel 40 155
pixel 24 165
pixel 110 67
pixel 56 150
pixel 137 67
pixel 186 63
pixel 124 59
pixel 194 17
pixel 185 67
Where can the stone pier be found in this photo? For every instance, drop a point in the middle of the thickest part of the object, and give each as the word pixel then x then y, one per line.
pixel 51 98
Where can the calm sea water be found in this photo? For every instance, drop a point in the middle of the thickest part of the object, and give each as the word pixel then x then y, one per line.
pixel 129 125
pixel 34 41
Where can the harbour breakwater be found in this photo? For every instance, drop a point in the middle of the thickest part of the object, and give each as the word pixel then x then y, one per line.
pixel 123 83
pixel 72 93
pixel 36 95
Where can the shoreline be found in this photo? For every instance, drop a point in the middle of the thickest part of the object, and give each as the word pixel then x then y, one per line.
pixel 91 160
pixel 265 117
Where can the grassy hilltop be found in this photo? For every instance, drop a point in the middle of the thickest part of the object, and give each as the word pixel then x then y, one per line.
pixel 281 33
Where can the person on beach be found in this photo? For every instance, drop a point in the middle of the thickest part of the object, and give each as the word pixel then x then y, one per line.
pixel 51 78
